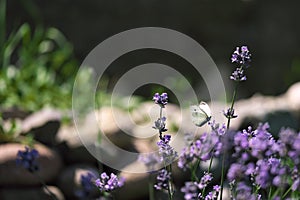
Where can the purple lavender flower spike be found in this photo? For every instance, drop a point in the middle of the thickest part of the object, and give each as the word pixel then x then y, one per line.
pixel 238 75
pixel 167 153
pixel 160 124
pixel 241 55
pixel 87 185
pixel 190 190
pixel 244 192
pixel 150 160
pixel 186 157
pixel 28 159
pixel 235 171
pixel 229 113
pixel 213 195
pixel 109 183
pixel 163 179
pixel 205 180
pixel 161 100
pixel 296 179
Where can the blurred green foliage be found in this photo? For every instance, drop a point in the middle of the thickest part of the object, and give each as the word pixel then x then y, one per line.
pixel 8 130
pixel 37 68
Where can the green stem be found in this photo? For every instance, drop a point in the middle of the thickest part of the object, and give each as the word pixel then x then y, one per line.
pixel 170 187
pixel 222 175
pixel 228 125
pixel 210 164
pixel 45 186
pixel 286 193
pixel 232 103
pixel 194 171
pixel 270 193
pixel 160 116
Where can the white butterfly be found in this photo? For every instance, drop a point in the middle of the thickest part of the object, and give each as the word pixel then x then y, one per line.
pixel 200 114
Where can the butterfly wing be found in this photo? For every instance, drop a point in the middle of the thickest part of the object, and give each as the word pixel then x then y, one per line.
pixel 199 114
pixel 205 108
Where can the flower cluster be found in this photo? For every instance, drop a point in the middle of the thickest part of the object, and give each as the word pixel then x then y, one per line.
pixel 204 148
pixel 160 125
pixel 150 160
pixel 194 190
pixel 229 113
pixel 163 179
pixel 166 151
pixel 265 161
pixel 161 100
pixel 243 191
pixel 241 56
pixel 87 186
pixel 28 159
pixel 109 183
pixel 238 75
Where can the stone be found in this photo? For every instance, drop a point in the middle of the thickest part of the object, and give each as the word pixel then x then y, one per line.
pixel 113 123
pixel 39 118
pixel 136 184
pixel 69 179
pixel 12 175
pixel 293 96
pixel 32 193
pixel 44 125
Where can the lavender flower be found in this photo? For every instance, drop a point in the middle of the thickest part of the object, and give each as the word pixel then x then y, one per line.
pixel 296 179
pixel 235 172
pixel 150 160
pixel 219 130
pixel 161 100
pixel 163 179
pixel 193 190
pixel 243 191
pixel 160 125
pixel 186 157
pixel 167 153
pixel 109 183
pixel 190 190
pixel 87 186
pixel 263 160
pixel 213 195
pixel 238 75
pixel 241 55
pixel 204 148
pixel 229 113
pixel 28 159
pixel 288 145
pixel 205 180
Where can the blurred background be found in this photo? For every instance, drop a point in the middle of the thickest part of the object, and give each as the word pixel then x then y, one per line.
pixel 43 44
pixel 270 28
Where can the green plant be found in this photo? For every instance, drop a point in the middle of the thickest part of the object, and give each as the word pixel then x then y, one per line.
pixel 8 130
pixel 37 67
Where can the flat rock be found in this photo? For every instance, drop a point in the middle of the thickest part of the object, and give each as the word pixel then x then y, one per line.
pixel 69 179
pixel 32 193
pixel 111 122
pixel 12 175
pixel 44 125
pixel 136 184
